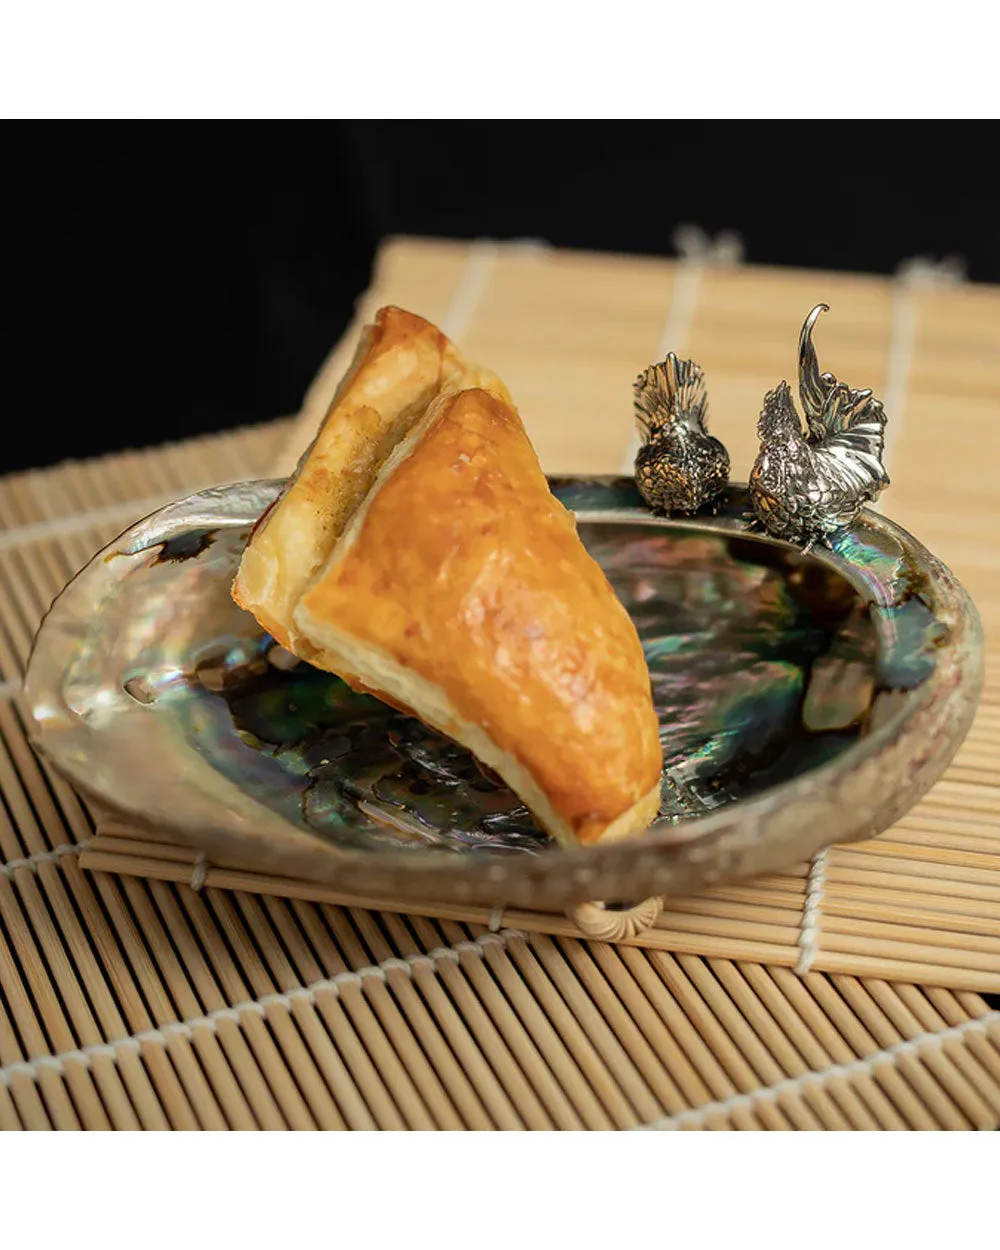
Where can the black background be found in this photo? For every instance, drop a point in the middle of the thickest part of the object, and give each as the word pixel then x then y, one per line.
pixel 162 281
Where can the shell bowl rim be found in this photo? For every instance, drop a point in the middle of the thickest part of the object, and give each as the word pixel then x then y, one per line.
pixel 853 796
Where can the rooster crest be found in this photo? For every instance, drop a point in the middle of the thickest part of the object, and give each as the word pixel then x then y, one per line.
pixel 807 484
pixel 680 467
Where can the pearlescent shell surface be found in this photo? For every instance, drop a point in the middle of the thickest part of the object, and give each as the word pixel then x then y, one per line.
pixel 152 690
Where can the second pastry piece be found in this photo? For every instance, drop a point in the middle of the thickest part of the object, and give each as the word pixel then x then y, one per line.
pixel 403 362
pixel 460 590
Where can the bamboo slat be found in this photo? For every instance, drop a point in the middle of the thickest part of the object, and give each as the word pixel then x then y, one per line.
pixel 130 999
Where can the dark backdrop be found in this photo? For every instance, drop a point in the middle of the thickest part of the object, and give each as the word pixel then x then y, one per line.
pixel 164 281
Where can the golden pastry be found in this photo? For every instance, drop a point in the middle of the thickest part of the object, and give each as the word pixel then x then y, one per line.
pixel 419 554
pixel 402 363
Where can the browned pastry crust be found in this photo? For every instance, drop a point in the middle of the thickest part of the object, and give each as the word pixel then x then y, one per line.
pixel 401 364
pixel 447 579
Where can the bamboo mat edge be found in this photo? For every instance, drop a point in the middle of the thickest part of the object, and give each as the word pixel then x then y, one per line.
pixel 702 925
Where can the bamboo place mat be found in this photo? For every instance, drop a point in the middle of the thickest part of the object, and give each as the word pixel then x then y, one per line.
pixel 138 1001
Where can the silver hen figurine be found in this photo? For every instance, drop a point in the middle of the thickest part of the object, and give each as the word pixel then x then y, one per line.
pixel 680 467
pixel 806 486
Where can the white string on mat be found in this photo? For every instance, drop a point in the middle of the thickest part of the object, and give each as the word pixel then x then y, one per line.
pixel 41 492
pixel 696 252
pixel 55 527
pixel 915 1046
pixel 259 1006
pixel 10 866
pixel 920 273
pixel 812 915
pixel 199 871
pixel 480 263
pixel 127 512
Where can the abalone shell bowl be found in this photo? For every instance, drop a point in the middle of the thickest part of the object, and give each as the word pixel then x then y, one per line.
pixel 803 700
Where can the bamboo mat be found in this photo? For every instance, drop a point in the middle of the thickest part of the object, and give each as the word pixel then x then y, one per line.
pixel 130 1001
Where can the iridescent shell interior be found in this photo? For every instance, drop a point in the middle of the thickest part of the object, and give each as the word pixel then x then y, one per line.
pixel 762 665
pixel 803 700
pixel 765 663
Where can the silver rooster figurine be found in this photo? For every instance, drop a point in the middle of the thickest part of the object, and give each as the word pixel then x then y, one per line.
pixel 680 467
pixel 806 486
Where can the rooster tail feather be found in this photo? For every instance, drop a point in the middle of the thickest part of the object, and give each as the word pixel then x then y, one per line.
pixel 672 393
pixel 832 407
pixel 814 387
